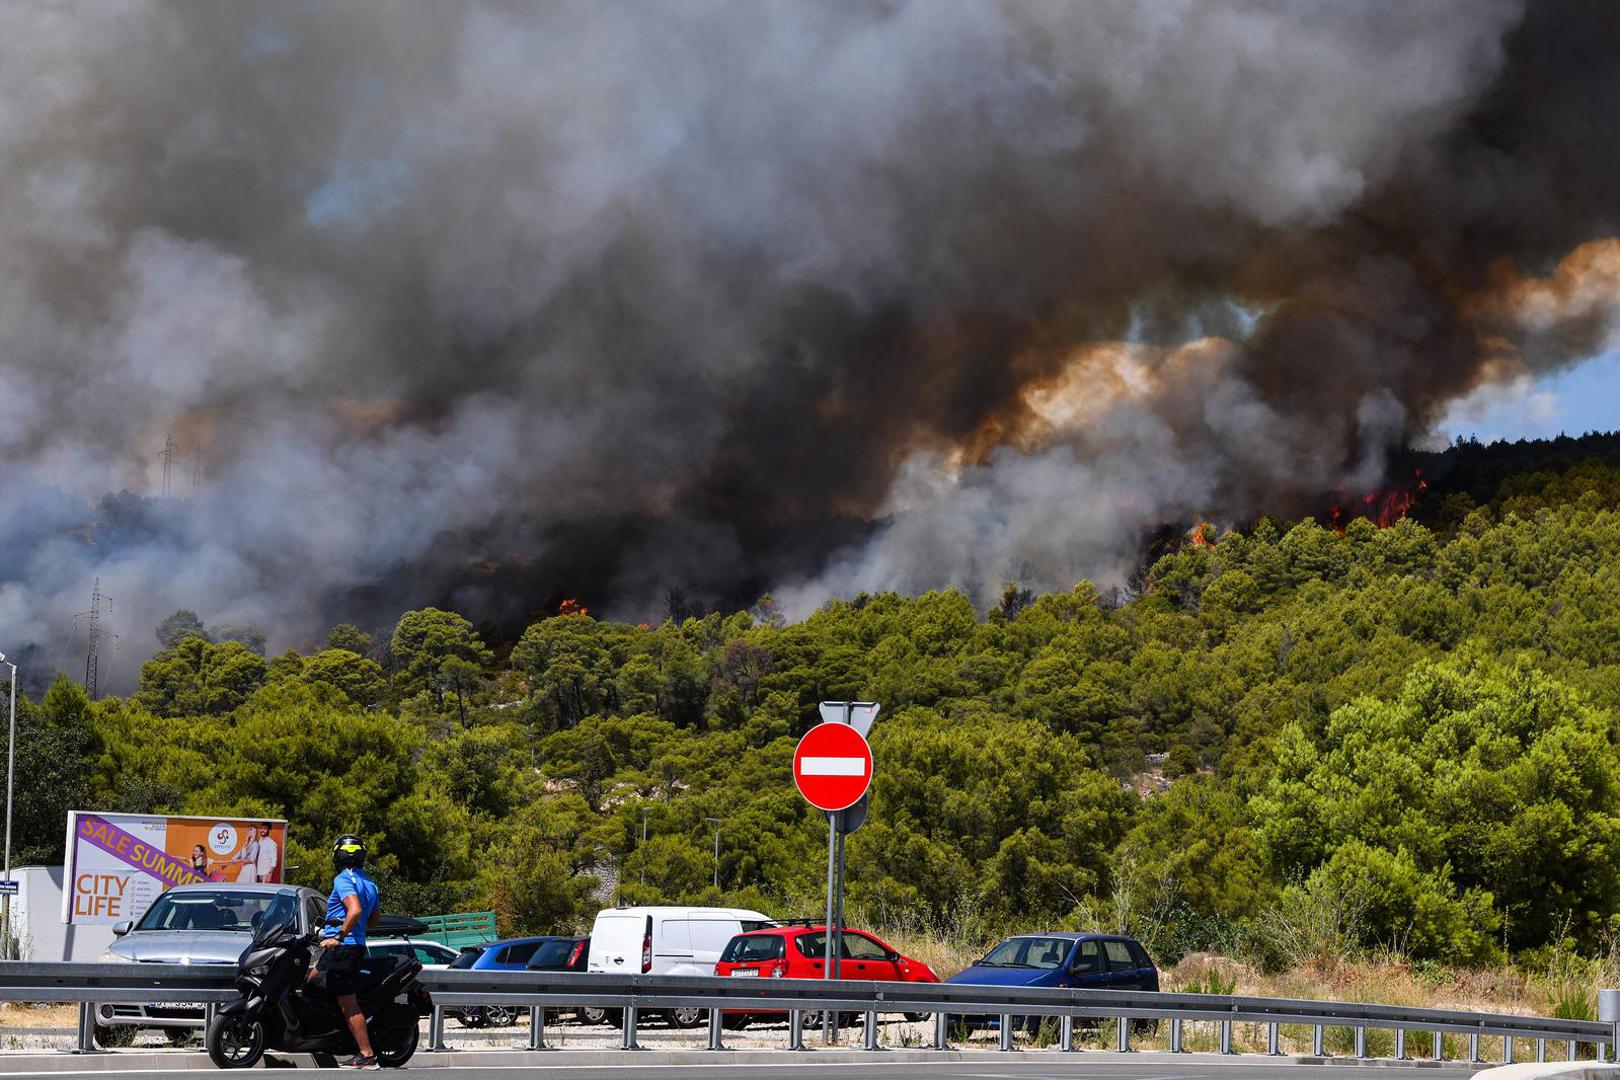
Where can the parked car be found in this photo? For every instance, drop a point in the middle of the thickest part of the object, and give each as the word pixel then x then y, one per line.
pixel 800 952
pixel 427 953
pixel 668 941
pixel 205 923
pixel 1088 961
pixel 545 953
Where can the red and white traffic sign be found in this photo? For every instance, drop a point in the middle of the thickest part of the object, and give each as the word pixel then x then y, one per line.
pixel 832 766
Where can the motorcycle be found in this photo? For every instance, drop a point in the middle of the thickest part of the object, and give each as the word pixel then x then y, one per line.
pixel 280 1008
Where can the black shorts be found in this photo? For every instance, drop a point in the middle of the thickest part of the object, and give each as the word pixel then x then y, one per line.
pixel 341 966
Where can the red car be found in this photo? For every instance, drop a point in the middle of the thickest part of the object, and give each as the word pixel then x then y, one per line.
pixel 799 952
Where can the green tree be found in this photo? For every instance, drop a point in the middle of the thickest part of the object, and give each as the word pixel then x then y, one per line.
pixel 424 641
pixel 197 677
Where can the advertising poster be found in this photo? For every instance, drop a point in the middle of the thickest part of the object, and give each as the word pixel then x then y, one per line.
pixel 118 863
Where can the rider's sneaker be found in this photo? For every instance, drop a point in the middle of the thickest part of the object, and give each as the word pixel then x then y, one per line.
pixel 361 1061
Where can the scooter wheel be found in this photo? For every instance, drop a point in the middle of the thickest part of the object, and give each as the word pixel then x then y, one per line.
pixel 235 1041
pixel 394 1048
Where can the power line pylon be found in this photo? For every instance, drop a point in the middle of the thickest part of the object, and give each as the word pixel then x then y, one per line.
pixel 92 652
pixel 168 462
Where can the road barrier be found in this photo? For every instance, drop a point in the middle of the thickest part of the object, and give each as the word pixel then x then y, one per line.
pixel 947 1003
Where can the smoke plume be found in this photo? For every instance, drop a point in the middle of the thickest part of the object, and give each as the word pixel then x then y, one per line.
pixel 489 303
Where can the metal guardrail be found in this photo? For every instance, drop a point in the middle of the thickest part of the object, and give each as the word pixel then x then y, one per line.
pixel 89 984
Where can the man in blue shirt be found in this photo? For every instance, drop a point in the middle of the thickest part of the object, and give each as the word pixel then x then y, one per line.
pixel 352 907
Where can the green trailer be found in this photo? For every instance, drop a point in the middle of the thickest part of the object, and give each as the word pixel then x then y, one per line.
pixel 461 930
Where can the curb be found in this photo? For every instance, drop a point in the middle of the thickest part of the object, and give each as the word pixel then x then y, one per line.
pixel 1562 1070
pixel 146 1060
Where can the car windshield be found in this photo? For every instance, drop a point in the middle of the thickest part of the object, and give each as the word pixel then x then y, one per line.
pixel 467 959
pixel 1029 952
pixel 217 909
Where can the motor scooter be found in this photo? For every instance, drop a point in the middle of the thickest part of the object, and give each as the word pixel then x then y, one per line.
pixel 279 1007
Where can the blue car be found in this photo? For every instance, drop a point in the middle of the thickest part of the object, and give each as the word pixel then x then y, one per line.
pixel 1083 961
pixel 546 953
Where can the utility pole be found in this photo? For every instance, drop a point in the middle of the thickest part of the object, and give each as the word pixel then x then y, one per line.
pixel 716 848
pixel 196 471
pixel 641 851
pixel 11 767
pixel 168 462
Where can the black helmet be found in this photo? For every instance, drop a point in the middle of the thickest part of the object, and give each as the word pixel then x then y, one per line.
pixel 348 851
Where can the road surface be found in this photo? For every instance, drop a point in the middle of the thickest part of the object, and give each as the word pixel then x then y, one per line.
pixel 1028 1066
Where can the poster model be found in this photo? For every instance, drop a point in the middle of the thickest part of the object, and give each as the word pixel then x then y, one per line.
pixel 117 864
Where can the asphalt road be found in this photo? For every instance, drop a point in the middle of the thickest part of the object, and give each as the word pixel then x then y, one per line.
pixel 1042 1066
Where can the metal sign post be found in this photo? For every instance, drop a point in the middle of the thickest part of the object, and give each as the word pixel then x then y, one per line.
pixel 825 755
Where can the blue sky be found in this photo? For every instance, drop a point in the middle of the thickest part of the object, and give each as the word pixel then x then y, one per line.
pixel 1581 399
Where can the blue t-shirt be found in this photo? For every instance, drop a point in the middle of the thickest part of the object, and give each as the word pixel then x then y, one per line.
pixel 350 882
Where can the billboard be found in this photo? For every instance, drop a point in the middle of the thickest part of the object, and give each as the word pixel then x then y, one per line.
pixel 118 863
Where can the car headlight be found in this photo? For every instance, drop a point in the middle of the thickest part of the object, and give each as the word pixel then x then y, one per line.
pixel 110 957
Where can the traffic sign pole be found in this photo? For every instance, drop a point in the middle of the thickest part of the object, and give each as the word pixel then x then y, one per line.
pixel 832 767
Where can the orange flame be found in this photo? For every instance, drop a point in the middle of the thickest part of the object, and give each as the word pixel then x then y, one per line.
pixel 571 606
pixel 1202 535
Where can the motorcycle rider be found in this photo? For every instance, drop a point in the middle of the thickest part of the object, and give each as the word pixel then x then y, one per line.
pixel 352 907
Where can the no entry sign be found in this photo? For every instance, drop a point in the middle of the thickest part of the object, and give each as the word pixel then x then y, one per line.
pixel 832 766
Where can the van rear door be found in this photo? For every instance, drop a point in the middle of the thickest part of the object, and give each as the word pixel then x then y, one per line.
pixel 616 942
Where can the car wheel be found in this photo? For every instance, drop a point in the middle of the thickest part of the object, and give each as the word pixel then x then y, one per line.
pixel 500 1015
pixel 590 1014
pixel 474 1017
pixel 685 1018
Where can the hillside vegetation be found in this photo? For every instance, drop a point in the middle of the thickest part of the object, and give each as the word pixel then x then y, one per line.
pixel 1288 744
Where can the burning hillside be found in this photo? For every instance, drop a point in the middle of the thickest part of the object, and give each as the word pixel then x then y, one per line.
pixel 487 304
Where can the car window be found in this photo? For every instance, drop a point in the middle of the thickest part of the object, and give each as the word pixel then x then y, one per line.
pixel 426 955
pixel 1088 959
pixel 861 947
pixel 388 949
pixel 517 954
pixel 755 949
pixel 552 955
pixel 315 911
pixel 1119 957
pixel 1139 954
pixel 467 959
pixel 813 945
pixel 753 924
pixel 1031 952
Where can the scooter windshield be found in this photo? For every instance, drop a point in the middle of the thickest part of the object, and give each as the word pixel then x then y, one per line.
pixel 277 920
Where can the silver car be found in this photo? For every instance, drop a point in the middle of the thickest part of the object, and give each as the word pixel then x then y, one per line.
pixel 195 924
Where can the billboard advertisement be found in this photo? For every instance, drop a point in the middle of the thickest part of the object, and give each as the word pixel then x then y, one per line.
pixel 118 863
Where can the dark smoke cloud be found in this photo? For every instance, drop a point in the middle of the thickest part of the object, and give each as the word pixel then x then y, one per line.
pixel 488 303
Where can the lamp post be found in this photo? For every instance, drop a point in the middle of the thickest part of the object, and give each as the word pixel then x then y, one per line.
pixel 11 761
pixel 716 849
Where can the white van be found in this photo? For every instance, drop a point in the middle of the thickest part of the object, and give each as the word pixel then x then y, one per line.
pixel 668 941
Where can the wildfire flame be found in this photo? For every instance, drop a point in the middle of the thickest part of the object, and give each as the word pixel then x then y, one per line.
pixel 1202 535
pixel 570 606
pixel 1382 508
